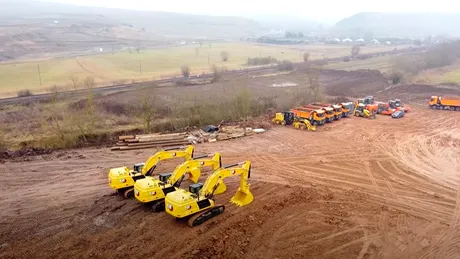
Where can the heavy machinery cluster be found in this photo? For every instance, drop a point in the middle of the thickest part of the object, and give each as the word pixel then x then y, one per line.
pixel 164 193
pixel 312 115
pixel 316 114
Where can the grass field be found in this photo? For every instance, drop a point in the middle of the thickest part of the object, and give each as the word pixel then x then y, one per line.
pixel 149 64
pixel 382 64
pixel 449 75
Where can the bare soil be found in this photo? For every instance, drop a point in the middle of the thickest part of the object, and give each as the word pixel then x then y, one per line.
pixel 358 188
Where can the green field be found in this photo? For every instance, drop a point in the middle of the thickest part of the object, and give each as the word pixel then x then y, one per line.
pixel 152 64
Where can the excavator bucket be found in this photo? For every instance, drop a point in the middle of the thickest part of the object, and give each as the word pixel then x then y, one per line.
pixel 242 198
pixel 194 174
pixel 221 188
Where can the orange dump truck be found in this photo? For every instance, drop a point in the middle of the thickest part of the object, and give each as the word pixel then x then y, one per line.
pixel 445 103
pixel 337 109
pixel 316 117
pixel 328 111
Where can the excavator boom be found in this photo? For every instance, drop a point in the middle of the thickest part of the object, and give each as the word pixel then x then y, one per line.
pixel 192 166
pixel 243 196
pixel 151 189
pixel 166 154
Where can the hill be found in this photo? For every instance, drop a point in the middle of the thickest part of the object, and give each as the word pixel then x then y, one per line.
pixel 43 27
pixel 399 25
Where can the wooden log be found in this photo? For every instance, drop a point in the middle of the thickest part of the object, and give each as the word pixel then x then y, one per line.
pixel 145 146
pixel 184 141
pixel 126 137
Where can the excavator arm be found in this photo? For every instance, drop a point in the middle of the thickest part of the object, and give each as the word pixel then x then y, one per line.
pixel 215 183
pixel 166 154
pixel 193 168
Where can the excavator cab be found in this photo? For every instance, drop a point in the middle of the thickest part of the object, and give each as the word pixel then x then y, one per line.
pixel 392 104
pixel 360 101
pixel 138 167
pixel 398 103
pixel 284 118
pixel 369 100
pixel 164 177
pixel 288 117
pixel 195 188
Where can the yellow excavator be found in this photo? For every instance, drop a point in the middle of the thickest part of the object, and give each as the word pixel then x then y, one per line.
pixel 198 202
pixel 122 179
pixel 150 190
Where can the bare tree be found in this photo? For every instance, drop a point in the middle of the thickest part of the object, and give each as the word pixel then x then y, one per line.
pixel 355 49
pixel 138 47
pixel 89 82
pixel 147 112
pixel 185 71
pixel 55 115
pixel 224 55
pixel 313 82
pixel 306 56
pixel 75 81
pixel 197 51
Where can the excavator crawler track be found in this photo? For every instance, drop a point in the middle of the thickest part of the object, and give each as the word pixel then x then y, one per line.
pixel 158 206
pixel 129 193
pixel 205 215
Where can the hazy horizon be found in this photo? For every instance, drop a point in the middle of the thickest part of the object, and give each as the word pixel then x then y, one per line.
pixel 324 11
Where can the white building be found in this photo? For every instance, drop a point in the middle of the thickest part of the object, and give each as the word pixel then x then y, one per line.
pixel 374 41
pixel 360 40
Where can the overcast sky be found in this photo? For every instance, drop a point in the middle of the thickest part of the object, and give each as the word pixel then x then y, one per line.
pixel 323 10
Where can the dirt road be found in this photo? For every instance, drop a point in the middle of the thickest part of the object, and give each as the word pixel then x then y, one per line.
pixel 355 189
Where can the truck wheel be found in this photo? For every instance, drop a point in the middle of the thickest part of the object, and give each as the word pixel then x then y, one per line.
pixel 357 114
pixel 458 109
pixel 452 108
pixel 438 107
pixel 432 107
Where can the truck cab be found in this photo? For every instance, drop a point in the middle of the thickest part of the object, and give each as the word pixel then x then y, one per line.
pixel 434 101
pixel 347 109
pixel 329 114
pixel 337 111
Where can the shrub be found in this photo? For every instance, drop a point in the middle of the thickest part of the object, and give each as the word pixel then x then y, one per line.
pixel 185 70
pixel 261 61
pixel 396 77
pixel 24 93
pixel 306 55
pixel 346 59
pixel 285 65
pixel 224 55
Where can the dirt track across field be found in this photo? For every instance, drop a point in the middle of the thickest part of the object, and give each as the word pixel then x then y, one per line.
pixel 358 188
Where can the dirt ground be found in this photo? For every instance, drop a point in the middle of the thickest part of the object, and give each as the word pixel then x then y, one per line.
pixel 357 188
